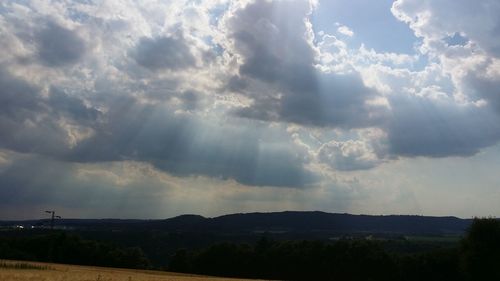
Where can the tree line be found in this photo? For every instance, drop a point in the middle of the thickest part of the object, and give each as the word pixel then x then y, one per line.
pixel 62 247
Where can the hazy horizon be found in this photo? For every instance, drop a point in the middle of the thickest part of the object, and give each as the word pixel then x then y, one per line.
pixel 153 109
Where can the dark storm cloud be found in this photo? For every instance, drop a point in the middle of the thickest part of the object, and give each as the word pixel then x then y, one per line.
pixel 334 100
pixel 72 107
pixel 17 97
pixel 30 183
pixel 30 122
pixel 181 144
pixel 495 34
pixel 19 188
pixel 184 145
pixel 59 46
pixel 424 127
pixel 191 100
pixel 167 52
pixel 272 38
pixel 338 100
pixel 21 108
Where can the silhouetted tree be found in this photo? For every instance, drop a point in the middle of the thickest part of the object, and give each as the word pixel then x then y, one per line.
pixel 481 250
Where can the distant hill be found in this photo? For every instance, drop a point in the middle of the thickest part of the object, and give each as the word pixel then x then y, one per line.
pixel 277 222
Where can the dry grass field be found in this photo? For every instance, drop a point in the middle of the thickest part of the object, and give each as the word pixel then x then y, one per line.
pixel 35 271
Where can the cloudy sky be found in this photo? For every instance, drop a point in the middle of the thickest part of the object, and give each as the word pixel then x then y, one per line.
pixel 151 109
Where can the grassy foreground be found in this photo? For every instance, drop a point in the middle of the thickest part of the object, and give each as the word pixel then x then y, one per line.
pixel 36 271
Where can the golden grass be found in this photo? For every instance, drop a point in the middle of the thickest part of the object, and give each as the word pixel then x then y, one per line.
pixel 63 272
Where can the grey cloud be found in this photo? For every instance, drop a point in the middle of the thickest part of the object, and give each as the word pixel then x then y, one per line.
pixel 21 108
pixel 59 46
pixel 337 100
pixel 331 101
pixel 191 100
pixel 72 107
pixel 17 97
pixel 495 33
pixel 271 37
pixel 136 190
pixel 236 84
pixel 167 52
pixel 30 122
pixel 182 144
pixel 481 87
pixel 18 188
pixel 185 145
pixel 30 183
pixel 423 127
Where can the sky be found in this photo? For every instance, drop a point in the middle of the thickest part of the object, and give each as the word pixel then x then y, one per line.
pixel 152 109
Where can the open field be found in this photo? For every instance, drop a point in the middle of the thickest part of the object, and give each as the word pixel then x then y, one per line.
pixel 23 271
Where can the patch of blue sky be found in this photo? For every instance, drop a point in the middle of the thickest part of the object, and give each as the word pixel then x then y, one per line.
pixel 421 62
pixel 371 21
pixel 216 48
pixel 217 12
pixel 78 16
pixel 456 40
